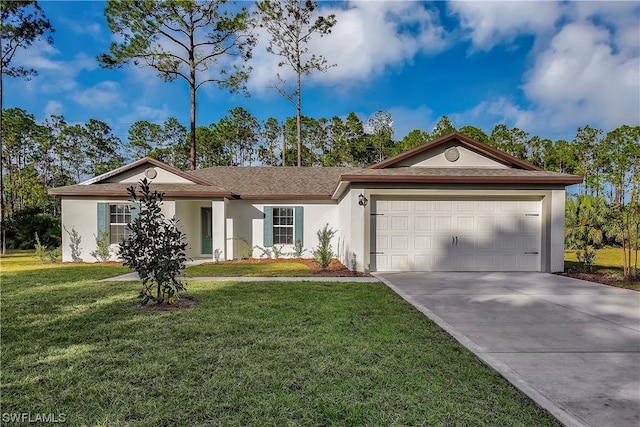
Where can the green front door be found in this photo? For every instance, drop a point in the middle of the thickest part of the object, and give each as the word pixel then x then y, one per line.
pixel 207 230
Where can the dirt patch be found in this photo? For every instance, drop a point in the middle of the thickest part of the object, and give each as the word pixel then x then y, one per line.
pixel 181 303
pixel 611 279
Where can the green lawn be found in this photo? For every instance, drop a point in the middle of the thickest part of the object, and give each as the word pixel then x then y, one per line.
pixel 608 261
pixel 253 269
pixel 248 354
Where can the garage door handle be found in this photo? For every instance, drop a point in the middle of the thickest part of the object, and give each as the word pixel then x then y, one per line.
pixel 531 253
pixel 456 240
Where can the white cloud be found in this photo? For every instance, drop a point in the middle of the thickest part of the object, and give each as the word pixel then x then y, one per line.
pixel 490 23
pixel 53 108
pixel 368 38
pixel 103 95
pixel 580 79
pixel 407 119
pixel 488 113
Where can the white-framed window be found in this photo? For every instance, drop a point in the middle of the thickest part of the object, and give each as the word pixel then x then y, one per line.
pixel 283 226
pixel 119 217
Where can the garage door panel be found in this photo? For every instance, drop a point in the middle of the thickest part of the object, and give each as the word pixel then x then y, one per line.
pixel 421 235
pixel 443 223
pixel 422 223
pixel 466 223
pixel 400 263
pixel 399 223
pixel 399 242
pixel 466 262
pixel 423 263
pixel 421 243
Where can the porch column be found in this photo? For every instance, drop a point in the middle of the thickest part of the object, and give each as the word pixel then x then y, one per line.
pixel 219 209
pixel 556 243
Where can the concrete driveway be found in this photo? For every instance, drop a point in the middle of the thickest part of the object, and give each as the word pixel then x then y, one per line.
pixel 572 346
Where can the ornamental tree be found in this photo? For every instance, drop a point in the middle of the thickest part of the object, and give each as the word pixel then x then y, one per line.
pixel 155 248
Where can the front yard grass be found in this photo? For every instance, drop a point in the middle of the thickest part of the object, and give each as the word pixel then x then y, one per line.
pixel 248 268
pixel 267 353
pixel 607 268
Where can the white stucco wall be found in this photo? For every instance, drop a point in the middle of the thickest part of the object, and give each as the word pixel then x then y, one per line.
pixel 248 224
pixel 133 176
pixel 435 158
pixel 82 214
pixel 356 225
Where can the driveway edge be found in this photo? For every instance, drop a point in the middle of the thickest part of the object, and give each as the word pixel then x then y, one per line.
pixel 561 414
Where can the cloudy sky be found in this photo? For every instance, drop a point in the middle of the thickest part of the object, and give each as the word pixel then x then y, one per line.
pixel 546 67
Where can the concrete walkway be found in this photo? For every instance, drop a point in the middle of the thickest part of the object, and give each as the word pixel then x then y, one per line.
pixel 572 346
pixel 134 276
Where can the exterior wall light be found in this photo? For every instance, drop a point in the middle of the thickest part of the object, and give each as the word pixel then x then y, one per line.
pixel 362 201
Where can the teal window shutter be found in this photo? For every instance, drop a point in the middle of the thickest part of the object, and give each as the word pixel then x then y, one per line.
pixel 298 225
pixel 134 208
pixel 268 226
pixel 103 218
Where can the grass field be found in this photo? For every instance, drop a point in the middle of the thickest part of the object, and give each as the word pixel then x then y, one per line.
pixel 236 269
pixel 247 354
pixel 608 263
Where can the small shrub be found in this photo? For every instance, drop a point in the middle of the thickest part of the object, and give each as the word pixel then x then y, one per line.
pixel 298 250
pixel 266 252
pixel 54 254
pixel 277 251
pixel 41 250
pixel 354 263
pixel 103 251
pixel 217 254
pixel 74 244
pixel 324 252
pixel 587 257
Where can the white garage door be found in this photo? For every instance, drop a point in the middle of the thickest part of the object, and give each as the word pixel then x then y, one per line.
pixel 455 235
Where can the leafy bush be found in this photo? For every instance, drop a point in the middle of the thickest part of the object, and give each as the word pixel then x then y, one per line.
pixel 22 226
pixel 54 254
pixel 266 252
pixel 298 250
pixel 43 253
pixel 324 252
pixel 74 243
pixel 587 257
pixel 41 250
pixel 103 251
pixel 156 247
pixel 277 251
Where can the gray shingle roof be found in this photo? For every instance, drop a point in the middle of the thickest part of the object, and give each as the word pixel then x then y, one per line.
pixel 260 182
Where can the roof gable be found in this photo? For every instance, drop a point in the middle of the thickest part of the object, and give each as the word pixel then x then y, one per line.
pixel 455 151
pixel 154 170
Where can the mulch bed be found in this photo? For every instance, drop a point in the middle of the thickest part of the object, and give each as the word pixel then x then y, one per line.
pixel 335 269
pixel 604 278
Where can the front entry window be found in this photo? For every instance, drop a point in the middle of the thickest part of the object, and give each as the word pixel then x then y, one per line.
pixel 119 217
pixel 282 226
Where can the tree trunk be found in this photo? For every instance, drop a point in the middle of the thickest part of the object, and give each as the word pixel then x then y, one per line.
pixel 298 120
pixel 192 90
pixel 2 227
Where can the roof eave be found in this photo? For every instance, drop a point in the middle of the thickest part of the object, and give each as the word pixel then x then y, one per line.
pixel 464 179
pixel 490 151
pixel 141 162
pixel 61 192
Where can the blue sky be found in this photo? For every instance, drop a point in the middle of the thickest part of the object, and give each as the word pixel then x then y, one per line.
pixel 546 67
